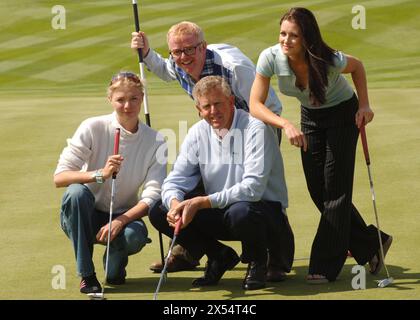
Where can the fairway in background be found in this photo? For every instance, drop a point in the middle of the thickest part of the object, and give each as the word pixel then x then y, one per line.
pixel 51 80
pixel 95 42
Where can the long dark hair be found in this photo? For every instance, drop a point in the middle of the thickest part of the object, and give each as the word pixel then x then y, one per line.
pixel 318 54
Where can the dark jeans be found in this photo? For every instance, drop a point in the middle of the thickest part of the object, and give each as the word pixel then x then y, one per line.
pixel 281 241
pixel 329 168
pixel 247 222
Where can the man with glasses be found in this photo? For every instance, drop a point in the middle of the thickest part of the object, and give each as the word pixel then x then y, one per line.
pixel 190 60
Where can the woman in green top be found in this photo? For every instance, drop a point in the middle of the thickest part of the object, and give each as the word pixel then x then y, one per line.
pixel 331 113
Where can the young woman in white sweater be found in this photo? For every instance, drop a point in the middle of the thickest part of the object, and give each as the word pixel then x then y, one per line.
pixel 85 167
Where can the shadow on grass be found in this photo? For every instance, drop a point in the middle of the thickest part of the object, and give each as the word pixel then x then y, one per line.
pixel 230 287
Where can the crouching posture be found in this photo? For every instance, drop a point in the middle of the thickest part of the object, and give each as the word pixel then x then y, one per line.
pixel 238 159
pixel 85 168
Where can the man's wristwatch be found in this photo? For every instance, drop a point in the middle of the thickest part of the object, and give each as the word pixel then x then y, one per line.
pixel 98 176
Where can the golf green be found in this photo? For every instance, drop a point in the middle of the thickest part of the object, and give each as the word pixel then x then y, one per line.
pixel 51 79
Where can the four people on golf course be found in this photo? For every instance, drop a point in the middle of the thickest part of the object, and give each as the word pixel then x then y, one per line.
pixel 230 155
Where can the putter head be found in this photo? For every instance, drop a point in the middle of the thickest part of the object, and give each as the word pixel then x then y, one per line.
pixel 385 282
pixel 96 296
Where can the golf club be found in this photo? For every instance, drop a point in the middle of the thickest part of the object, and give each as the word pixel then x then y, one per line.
pixel 163 273
pixel 146 101
pixel 382 283
pixel 101 296
pixel 141 64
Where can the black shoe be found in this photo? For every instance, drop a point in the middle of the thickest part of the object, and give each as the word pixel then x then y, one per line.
pixel 215 268
pixel 376 263
pixel 90 285
pixel 255 276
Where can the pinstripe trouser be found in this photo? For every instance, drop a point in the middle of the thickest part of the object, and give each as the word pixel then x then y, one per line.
pixel 328 164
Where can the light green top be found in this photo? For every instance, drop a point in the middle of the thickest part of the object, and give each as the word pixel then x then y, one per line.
pixel 273 61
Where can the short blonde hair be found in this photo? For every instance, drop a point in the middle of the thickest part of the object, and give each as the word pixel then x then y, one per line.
pixel 209 83
pixel 183 28
pixel 125 79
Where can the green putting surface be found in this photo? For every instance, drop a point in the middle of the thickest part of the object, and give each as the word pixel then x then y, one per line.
pixel 51 80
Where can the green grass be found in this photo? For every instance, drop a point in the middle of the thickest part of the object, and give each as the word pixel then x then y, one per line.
pixel 50 80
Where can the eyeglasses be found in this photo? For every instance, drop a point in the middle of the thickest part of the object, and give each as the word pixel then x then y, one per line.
pixel 189 51
pixel 129 75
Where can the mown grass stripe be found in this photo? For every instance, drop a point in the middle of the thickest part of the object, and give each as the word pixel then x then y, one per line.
pixel 13 64
pixel 99 20
pixel 23 42
pixel 86 42
pixel 69 72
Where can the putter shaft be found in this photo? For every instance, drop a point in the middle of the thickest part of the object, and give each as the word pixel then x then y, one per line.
pixel 111 207
pixel 165 266
pixel 383 283
pixel 163 272
pixel 377 223
pixel 145 98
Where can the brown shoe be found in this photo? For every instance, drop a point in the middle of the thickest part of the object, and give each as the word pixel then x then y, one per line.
pixel 175 264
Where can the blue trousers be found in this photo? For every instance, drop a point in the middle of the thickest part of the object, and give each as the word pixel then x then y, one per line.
pixel 81 222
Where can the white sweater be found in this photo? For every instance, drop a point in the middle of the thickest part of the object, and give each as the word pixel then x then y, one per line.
pixel 144 161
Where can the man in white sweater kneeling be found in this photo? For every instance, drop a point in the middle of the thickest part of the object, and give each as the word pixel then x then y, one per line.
pixel 238 159
pixel 86 167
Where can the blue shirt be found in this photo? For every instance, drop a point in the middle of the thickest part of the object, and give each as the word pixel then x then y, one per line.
pixel 246 165
pixel 221 60
pixel 273 61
